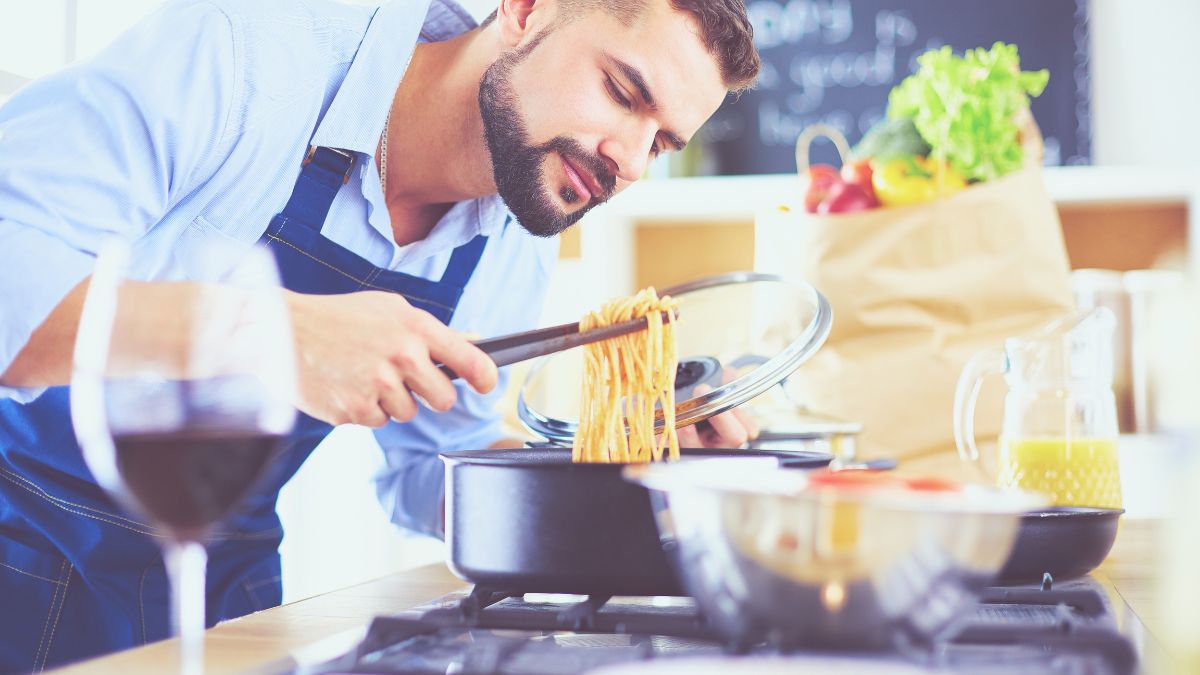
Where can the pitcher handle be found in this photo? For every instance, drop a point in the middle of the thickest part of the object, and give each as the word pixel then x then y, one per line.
pixel 966 395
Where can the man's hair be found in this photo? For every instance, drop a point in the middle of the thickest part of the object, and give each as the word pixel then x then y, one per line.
pixel 724 27
pixel 727 33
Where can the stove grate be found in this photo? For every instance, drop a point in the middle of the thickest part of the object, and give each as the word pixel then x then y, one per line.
pixel 487 631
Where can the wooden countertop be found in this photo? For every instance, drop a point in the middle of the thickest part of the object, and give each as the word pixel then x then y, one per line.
pixel 257 641
pixel 325 625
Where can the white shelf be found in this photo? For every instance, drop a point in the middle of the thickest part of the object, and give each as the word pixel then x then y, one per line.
pixel 1116 184
pixel 736 197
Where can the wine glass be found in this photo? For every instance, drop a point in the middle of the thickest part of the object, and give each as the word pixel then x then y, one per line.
pixel 180 395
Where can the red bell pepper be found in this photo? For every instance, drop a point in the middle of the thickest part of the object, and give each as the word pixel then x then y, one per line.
pixel 821 178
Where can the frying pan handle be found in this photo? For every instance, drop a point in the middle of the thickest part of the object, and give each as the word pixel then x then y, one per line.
pixel 966 395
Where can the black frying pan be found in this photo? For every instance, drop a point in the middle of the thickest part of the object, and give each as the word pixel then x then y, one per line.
pixel 530 520
pixel 1064 541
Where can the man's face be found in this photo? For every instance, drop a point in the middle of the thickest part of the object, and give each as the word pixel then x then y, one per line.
pixel 574 115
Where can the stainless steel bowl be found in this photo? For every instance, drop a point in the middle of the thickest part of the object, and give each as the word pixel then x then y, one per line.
pixel 768 555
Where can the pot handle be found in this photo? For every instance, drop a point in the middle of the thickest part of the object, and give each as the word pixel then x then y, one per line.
pixel 966 395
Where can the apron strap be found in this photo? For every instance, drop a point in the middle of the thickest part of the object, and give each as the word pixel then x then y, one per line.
pixel 324 172
pixel 463 262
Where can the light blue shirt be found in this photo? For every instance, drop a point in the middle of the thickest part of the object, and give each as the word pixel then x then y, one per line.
pixel 190 127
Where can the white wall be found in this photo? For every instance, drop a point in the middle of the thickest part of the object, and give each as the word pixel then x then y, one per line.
pixel 335 533
pixel 1146 86
pixel 479 8
pixel 38 36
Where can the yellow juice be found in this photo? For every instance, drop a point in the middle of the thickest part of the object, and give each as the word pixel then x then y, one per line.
pixel 1074 472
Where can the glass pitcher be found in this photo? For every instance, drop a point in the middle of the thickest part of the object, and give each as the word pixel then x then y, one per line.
pixel 1059 433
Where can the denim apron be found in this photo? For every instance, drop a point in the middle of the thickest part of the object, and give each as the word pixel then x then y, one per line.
pixel 80 577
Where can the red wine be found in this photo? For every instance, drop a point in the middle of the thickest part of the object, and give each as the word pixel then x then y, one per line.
pixel 187 481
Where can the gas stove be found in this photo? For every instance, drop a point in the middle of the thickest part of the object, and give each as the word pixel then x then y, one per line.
pixel 1068 629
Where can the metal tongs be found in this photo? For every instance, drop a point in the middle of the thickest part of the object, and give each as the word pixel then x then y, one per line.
pixel 509 349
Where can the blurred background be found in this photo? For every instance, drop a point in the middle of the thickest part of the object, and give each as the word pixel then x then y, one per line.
pixel 1119 120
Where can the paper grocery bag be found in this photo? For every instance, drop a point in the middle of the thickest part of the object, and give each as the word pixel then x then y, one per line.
pixel 916 292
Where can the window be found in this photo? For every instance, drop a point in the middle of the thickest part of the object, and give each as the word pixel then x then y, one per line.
pixel 40 36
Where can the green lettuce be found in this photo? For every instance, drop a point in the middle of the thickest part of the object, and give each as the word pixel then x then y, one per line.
pixel 966 107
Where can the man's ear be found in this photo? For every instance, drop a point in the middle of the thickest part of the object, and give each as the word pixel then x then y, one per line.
pixel 520 20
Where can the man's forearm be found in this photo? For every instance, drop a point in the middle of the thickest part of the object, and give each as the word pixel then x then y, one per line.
pixel 155 318
pixel 45 360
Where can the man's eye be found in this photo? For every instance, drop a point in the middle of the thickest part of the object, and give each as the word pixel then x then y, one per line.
pixel 615 92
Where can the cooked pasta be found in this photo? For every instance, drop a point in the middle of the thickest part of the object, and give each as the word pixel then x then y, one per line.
pixel 625 380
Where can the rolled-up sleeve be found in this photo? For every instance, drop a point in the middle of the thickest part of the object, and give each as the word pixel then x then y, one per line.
pixel 104 148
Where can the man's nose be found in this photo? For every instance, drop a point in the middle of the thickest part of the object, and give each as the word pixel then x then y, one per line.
pixel 630 151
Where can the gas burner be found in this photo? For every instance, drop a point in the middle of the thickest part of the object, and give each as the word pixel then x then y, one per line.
pixel 1030 630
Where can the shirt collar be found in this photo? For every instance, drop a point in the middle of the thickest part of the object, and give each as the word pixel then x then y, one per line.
pixel 355 118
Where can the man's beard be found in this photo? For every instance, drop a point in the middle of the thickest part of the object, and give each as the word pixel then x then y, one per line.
pixel 517 164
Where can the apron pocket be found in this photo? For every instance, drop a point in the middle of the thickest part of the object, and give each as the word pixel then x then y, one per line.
pixel 265 593
pixel 241 585
pixel 263 585
pixel 34 586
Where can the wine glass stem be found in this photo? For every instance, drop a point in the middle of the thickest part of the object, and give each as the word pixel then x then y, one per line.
pixel 186 562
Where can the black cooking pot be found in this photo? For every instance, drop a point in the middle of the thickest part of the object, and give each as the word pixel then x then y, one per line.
pixel 531 520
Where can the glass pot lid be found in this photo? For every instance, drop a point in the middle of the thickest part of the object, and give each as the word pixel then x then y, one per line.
pixel 760 327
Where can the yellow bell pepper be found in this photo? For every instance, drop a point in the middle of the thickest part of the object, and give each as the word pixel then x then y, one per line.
pixel 914 180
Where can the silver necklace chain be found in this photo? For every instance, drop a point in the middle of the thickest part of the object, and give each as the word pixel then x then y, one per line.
pixel 383 154
pixel 387 123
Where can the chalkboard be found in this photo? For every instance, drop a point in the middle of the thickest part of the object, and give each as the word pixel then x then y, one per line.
pixel 834 61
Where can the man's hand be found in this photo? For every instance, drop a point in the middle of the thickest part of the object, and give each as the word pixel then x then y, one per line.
pixel 730 429
pixel 361 358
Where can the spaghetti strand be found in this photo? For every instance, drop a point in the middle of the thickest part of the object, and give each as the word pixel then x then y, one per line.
pixel 626 380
